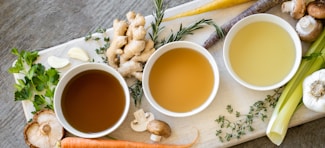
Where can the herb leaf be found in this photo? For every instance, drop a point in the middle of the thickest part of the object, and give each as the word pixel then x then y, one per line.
pixel 38 83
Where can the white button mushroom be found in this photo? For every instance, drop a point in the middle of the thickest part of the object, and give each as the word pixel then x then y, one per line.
pixel 296 8
pixel 141 120
pixel 308 28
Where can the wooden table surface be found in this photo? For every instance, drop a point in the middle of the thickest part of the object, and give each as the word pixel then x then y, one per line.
pixel 35 24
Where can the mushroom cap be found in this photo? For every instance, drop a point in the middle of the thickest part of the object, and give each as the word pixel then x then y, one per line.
pixel 160 128
pixel 44 131
pixel 308 28
pixel 141 120
pixel 316 9
pixel 299 9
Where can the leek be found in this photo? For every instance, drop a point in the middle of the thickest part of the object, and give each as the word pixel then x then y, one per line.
pixel 292 93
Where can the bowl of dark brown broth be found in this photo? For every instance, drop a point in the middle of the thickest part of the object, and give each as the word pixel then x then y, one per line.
pixel 180 79
pixel 91 100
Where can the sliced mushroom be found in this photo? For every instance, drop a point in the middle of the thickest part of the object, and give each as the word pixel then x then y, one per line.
pixel 141 120
pixel 296 8
pixel 44 131
pixel 158 129
pixel 308 28
pixel 316 9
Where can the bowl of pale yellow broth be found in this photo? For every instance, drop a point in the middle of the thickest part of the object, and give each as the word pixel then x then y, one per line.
pixel 180 79
pixel 91 100
pixel 262 52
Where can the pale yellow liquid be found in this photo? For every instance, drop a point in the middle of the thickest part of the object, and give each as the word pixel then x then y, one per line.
pixel 181 80
pixel 262 53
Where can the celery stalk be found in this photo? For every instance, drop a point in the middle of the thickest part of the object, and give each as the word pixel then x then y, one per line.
pixel 292 93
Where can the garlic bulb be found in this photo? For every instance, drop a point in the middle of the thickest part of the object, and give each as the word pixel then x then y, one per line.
pixel 314 91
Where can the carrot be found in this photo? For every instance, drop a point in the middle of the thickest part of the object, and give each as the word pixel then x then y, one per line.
pixel 214 5
pixel 258 7
pixel 76 142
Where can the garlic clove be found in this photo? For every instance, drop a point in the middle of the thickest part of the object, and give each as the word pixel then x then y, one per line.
pixel 57 62
pixel 78 53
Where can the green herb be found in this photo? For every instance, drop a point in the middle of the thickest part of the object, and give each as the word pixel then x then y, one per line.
pixel 155 26
pixel 102 49
pixel 183 31
pixel 38 84
pixel 136 92
pixel 235 129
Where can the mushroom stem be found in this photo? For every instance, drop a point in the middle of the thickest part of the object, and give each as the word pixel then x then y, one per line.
pixel 308 28
pixel 155 138
pixel 287 6
pixel 45 128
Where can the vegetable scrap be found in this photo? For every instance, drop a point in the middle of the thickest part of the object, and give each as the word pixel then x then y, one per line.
pixel 44 131
pixel 291 96
pixel 314 91
pixel 258 7
pixel 213 5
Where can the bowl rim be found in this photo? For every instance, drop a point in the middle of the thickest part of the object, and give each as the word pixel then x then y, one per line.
pixel 73 72
pixel 168 47
pixel 263 17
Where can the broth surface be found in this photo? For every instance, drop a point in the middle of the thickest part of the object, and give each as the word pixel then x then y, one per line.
pixel 262 53
pixel 181 80
pixel 93 101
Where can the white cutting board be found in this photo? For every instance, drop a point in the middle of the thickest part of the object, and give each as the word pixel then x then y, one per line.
pixel 230 92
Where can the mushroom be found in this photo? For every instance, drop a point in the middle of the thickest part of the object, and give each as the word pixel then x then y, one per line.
pixel 141 120
pixel 296 8
pixel 316 9
pixel 308 28
pixel 44 131
pixel 158 129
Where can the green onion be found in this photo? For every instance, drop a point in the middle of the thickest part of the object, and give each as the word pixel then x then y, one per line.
pixel 292 94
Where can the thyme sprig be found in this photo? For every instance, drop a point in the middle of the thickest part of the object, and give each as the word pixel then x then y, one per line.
pixel 102 49
pixel 236 129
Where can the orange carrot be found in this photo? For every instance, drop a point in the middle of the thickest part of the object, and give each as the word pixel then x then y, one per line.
pixel 76 142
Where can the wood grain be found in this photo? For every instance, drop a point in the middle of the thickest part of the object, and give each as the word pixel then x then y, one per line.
pixel 35 25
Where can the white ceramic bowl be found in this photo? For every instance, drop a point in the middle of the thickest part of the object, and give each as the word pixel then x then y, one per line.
pixel 168 47
pixel 64 81
pixel 262 18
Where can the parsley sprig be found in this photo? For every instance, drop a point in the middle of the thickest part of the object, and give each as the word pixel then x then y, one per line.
pixel 236 129
pixel 38 84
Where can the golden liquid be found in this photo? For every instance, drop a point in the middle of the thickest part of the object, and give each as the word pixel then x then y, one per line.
pixel 93 101
pixel 262 53
pixel 181 80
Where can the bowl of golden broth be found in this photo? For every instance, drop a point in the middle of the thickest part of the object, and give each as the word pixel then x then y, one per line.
pixel 180 79
pixel 262 52
pixel 91 100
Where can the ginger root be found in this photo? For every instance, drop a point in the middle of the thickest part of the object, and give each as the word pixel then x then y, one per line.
pixel 130 49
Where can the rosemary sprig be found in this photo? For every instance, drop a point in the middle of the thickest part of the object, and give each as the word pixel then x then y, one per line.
pixel 136 92
pixel 158 16
pixel 183 31
pixel 236 129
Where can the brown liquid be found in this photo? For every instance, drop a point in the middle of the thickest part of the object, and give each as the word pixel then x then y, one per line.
pixel 181 80
pixel 93 101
